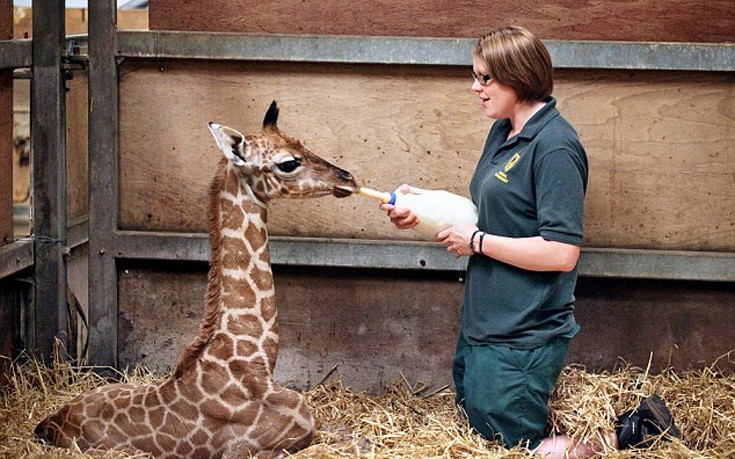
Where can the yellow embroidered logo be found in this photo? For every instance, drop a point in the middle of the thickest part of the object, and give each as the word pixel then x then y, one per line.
pixel 503 175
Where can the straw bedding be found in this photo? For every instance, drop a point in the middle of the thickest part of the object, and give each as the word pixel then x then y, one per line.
pixel 416 421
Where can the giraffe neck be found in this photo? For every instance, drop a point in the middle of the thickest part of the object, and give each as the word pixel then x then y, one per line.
pixel 241 297
pixel 240 317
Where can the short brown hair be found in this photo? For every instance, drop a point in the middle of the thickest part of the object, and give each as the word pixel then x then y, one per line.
pixel 516 58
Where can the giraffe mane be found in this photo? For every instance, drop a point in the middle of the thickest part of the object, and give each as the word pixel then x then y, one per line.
pixel 212 313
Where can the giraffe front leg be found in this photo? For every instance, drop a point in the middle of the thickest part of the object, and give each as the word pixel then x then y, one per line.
pixel 271 455
pixel 244 451
pixel 247 450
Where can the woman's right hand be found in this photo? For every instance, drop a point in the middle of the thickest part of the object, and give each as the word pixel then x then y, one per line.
pixel 400 217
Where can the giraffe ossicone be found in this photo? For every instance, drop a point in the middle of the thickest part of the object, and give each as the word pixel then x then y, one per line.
pixel 221 401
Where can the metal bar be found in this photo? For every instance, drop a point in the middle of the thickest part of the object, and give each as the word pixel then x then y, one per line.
pixel 103 183
pixel 15 257
pixel 643 56
pixel 658 264
pixel 19 53
pixel 162 246
pixel 15 53
pixel 48 137
pixel 416 51
pixel 353 253
pixel 347 253
pixel 369 254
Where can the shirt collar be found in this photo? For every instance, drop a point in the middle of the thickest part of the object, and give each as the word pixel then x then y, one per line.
pixel 539 119
pixel 536 122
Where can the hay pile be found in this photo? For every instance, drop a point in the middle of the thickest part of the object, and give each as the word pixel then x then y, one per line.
pixel 414 422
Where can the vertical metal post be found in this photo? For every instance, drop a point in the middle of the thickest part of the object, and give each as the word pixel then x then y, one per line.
pixel 103 182
pixel 48 140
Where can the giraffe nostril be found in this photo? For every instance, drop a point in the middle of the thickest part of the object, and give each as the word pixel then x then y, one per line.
pixel 344 175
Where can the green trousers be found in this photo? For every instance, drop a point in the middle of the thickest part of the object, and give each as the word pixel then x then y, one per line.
pixel 505 392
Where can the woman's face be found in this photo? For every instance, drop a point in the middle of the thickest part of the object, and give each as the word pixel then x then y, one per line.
pixel 498 100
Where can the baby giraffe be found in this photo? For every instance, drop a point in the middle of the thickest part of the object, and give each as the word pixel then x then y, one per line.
pixel 221 401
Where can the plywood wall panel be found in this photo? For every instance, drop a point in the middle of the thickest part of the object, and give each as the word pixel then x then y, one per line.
pixel 366 122
pixel 661 145
pixel 636 20
pixel 377 327
pixel 675 324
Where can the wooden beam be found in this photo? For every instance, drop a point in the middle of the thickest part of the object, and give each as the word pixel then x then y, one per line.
pixel 103 183
pixel 7 306
pixel 630 20
pixel 48 128
pixel 6 131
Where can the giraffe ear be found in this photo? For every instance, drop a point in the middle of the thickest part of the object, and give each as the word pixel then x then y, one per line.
pixel 231 142
pixel 271 117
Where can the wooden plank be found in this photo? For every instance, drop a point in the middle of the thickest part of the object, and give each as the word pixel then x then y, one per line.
pixel 103 183
pixel 6 131
pixel 6 156
pixel 7 306
pixel 635 20
pixel 6 19
pixel 48 106
pixel 660 144
pixel 77 147
pixel 8 327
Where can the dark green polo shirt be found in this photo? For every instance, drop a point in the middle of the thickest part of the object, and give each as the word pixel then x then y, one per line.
pixel 530 185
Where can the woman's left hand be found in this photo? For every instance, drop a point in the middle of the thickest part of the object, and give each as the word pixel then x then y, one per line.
pixel 457 239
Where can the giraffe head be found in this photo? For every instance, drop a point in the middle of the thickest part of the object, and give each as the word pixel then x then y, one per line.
pixel 278 166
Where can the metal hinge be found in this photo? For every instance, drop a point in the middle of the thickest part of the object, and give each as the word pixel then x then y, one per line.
pixel 74 58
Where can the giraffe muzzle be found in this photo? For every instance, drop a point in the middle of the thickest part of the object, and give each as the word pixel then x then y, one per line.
pixel 341 191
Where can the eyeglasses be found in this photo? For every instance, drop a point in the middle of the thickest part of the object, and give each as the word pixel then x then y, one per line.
pixel 484 80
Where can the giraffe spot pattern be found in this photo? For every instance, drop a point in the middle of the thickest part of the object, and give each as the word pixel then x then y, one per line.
pixel 245 324
pixel 222 347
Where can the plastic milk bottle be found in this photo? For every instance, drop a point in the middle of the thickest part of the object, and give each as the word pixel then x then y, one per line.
pixel 437 210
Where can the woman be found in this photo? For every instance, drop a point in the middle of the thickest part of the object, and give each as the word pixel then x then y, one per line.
pixel 518 315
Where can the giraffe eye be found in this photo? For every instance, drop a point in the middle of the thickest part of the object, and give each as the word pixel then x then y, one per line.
pixel 289 166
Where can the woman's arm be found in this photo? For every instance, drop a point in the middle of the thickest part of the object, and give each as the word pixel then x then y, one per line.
pixel 532 253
